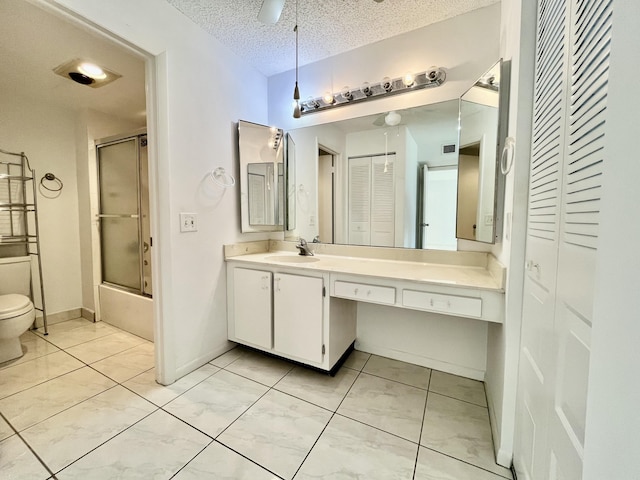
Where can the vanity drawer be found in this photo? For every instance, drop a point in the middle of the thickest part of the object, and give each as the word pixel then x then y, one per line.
pixel 434 302
pixel 364 292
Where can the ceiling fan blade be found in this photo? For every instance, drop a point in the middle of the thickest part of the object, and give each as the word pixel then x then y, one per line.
pixel 270 11
pixel 378 122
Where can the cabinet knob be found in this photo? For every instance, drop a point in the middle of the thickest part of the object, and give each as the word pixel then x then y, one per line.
pixel 355 291
pixel 368 292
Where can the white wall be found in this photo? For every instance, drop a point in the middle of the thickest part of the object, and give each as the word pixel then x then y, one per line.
pixel 517 43
pixel 612 422
pixel 47 135
pixel 465 46
pixel 191 131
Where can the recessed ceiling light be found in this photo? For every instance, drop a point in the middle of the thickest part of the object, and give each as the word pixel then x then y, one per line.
pixel 92 70
pixel 86 73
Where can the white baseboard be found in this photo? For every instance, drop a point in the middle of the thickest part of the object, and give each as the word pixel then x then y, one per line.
pixel 459 370
pixel 203 359
pixel 58 317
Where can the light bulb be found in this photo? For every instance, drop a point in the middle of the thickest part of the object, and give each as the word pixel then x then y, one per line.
pixel 328 98
pixel 311 102
pixel 408 79
pixel 346 93
pixel 91 70
pixel 387 84
pixel 366 89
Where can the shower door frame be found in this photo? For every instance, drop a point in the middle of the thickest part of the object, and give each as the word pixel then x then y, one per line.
pixel 105 142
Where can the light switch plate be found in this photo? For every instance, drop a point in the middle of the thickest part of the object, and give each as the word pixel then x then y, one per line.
pixel 188 222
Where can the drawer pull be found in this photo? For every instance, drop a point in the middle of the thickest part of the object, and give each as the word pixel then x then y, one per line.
pixel 355 291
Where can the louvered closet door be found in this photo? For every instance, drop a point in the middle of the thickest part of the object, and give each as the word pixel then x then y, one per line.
pixel 582 180
pixel 536 361
pixel 569 108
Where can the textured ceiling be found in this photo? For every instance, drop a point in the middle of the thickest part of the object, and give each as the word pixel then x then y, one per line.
pixel 326 27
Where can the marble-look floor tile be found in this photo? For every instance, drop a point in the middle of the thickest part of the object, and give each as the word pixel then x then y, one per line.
pixel 317 387
pixel 212 405
pixel 471 391
pixel 228 357
pixel 60 327
pixel 261 368
pixel 402 372
pixel 68 337
pixel 28 374
pixel 156 447
pixel 128 364
pixel 220 463
pixel 17 462
pixel 461 430
pixel 33 346
pixel 435 466
pixel 146 386
pixel 390 406
pixel 63 438
pixel 5 429
pixel 277 432
pixel 31 406
pixel 356 360
pixel 94 350
pixel 349 449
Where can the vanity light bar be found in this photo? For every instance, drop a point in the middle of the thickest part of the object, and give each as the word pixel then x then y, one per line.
pixel 434 77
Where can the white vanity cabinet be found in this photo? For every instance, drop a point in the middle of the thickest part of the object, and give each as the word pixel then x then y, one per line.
pixel 288 314
pixel 297 313
pixel 252 300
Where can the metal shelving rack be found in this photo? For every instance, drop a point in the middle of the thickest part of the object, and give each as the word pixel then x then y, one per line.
pixel 15 209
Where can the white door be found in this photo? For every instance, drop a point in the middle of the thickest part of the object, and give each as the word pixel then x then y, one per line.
pixel 383 204
pixel 297 312
pixel 325 198
pixel 252 306
pixel 566 171
pixel 441 186
pixel 360 201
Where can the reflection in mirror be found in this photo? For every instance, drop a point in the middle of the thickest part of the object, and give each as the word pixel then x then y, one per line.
pixel 261 177
pixel 477 168
pixel 383 180
pixel 290 171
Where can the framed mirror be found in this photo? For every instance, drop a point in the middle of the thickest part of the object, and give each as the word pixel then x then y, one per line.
pixel 262 175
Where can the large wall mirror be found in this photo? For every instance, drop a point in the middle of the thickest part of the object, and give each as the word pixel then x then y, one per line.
pixel 415 178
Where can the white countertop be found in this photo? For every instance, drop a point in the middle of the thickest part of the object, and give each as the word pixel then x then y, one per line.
pixel 462 276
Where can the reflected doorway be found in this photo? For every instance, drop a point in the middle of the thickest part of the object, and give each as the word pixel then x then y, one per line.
pixel 326 195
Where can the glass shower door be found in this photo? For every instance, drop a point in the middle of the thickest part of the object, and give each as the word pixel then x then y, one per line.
pixel 120 232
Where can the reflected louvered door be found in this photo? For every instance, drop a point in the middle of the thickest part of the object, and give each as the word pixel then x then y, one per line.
pixel 580 208
pixel 360 201
pixel 383 201
pixel 572 51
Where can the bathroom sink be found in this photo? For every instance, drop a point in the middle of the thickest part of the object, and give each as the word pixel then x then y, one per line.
pixel 292 258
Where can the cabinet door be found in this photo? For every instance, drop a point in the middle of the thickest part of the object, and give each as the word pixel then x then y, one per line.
pixel 298 316
pixel 252 306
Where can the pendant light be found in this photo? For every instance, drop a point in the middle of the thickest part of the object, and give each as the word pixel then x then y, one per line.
pixel 296 92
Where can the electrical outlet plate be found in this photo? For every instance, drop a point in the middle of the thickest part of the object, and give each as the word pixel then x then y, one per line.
pixel 188 222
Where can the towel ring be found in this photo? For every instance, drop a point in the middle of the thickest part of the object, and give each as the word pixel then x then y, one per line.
pixel 508 152
pixel 222 178
pixel 50 177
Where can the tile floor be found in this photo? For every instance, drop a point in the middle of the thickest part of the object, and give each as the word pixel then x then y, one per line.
pixel 82 403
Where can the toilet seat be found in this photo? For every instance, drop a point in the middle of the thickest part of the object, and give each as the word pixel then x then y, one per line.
pixel 13 305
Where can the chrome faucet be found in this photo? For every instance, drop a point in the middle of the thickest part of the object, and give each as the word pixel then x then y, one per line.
pixel 303 247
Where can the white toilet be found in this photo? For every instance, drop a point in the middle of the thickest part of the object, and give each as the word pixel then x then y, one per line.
pixel 17 312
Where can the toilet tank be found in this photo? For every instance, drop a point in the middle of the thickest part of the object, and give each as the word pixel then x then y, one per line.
pixel 15 275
